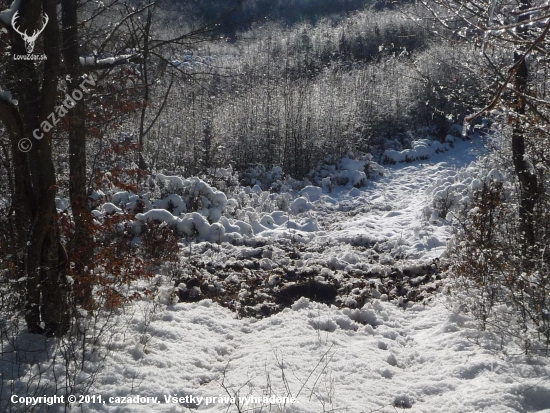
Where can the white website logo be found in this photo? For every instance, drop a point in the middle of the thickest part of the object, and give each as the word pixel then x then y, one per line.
pixel 29 40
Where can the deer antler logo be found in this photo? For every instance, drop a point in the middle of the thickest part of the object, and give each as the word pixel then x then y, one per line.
pixel 29 40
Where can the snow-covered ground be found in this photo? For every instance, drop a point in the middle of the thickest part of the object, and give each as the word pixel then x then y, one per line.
pixel 391 214
pixel 394 211
pixel 377 358
pixel 383 356
pixel 425 358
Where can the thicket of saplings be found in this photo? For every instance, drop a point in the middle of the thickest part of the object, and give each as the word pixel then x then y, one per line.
pixel 292 96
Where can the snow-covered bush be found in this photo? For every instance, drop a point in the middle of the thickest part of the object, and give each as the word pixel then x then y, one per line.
pixel 348 171
pixel 313 193
pixel 421 149
pixel 300 205
pixel 260 201
pixel 189 195
pixel 502 281
pixel 225 179
pixel 452 194
pixel 259 175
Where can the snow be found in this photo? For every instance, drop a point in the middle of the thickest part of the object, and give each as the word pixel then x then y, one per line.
pixel 300 204
pixel 391 211
pixel 172 182
pixel 96 195
pixel 110 208
pixel 173 201
pixel 349 172
pixel 383 354
pixel 392 215
pixel 6 96
pixel 424 357
pixel 353 171
pixel 62 204
pixel 496 175
pixel 160 215
pixel 92 60
pixel 421 149
pixel 312 192
pixel 211 202
pixel 121 198
pixel 7 15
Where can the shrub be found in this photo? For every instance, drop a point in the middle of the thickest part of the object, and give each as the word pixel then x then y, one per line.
pixel 502 284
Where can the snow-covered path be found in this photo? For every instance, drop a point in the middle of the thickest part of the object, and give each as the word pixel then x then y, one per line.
pixel 394 211
pixel 381 358
pixel 385 356
pixel 424 358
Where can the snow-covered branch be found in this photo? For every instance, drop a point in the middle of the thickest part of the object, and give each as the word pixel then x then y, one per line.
pixel 91 63
pixel 7 15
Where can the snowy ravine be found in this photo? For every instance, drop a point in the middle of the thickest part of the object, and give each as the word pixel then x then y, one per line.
pixel 383 356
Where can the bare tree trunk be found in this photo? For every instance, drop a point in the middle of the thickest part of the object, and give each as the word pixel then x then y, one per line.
pixel 22 187
pixel 34 175
pixel 145 71
pixel 526 177
pixel 81 246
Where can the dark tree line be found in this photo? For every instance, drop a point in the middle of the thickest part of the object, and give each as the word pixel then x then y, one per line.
pixel 288 12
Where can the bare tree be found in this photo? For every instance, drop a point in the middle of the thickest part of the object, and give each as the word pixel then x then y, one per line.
pixel 518 30
pixel 81 42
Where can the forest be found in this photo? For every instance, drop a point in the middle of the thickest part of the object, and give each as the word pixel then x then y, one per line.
pixel 362 157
